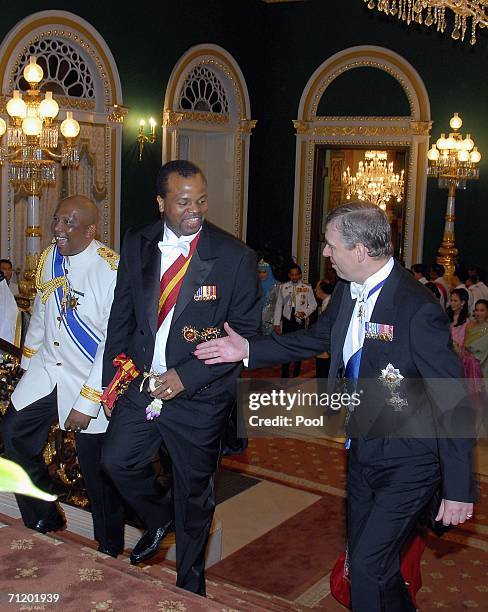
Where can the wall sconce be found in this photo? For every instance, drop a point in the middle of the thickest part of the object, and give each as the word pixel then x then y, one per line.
pixel 142 138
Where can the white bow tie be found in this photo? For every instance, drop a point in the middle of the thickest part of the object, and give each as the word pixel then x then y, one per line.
pixel 358 291
pixel 166 247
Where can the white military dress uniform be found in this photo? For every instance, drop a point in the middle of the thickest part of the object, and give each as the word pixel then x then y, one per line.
pixel 64 348
pixel 294 295
pixel 63 357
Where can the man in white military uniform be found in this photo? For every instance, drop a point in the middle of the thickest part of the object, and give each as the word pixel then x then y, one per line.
pixel 62 357
pixel 295 303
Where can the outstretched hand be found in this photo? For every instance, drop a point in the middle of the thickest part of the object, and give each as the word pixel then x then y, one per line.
pixel 454 512
pixel 223 350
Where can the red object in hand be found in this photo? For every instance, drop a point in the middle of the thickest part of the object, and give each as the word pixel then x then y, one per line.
pixel 411 555
pixel 126 373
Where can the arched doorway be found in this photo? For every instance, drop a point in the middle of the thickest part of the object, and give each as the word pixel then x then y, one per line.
pixel 206 119
pixel 80 69
pixel 407 134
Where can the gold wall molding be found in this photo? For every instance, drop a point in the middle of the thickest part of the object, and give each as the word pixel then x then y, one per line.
pixel 117 113
pixel 302 127
pixel 411 132
pixel 246 126
pixel 361 130
pixel 421 128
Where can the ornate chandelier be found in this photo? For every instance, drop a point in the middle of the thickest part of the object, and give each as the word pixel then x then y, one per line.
pixel 452 161
pixel 375 181
pixel 433 12
pixel 32 135
pixel 31 151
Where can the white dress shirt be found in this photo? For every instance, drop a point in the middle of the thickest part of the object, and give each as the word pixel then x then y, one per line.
pixel 171 248
pixel 355 332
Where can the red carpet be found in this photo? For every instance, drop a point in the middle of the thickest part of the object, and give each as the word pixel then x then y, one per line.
pixel 291 558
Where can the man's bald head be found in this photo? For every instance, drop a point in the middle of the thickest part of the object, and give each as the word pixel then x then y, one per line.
pixel 74 224
pixel 86 208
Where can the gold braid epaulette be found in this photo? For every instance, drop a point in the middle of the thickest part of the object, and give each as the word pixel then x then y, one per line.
pixel 51 285
pixel 111 257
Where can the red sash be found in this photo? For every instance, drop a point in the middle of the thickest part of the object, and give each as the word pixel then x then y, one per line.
pixel 172 280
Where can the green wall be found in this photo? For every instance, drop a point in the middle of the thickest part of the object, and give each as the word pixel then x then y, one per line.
pixel 278 47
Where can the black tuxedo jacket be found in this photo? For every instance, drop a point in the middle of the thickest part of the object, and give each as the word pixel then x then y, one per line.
pixel 421 350
pixel 220 260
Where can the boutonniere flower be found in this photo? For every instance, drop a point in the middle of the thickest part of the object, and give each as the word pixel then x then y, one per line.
pixel 154 409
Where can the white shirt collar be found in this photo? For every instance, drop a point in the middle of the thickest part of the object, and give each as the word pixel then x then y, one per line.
pixel 362 290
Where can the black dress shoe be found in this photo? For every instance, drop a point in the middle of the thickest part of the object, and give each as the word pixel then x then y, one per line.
pixel 106 550
pixel 53 524
pixel 150 543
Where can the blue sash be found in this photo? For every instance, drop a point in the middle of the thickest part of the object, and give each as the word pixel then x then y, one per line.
pixel 83 337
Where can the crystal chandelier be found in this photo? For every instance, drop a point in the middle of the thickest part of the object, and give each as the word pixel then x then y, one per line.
pixel 375 181
pixel 433 12
pixel 32 135
pixel 453 161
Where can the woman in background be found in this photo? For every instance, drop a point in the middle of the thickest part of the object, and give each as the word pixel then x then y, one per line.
pixel 323 291
pixel 476 342
pixel 458 313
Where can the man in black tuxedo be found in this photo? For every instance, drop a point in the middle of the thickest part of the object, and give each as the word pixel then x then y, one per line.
pixel 178 281
pixel 380 318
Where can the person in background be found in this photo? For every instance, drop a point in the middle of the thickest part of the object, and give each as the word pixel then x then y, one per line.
pixel 294 304
pixel 475 359
pixel 270 288
pixel 8 312
pixel 477 288
pixel 476 342
pixel 458 314
pixel 437 272
pixel 418 271
pixel 7 269
pixel 434 288
pixel 459 279
pixel 323 291
pixel 62 359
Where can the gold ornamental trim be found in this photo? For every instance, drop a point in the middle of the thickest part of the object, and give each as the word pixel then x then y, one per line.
pixel 421 128
pixel 111 257
pixel 117 113
pixel 302 127
pixel 361 130
pixel 53 283
pixel 171 118
pixel 93 395
pixel 28 352
pixel 33 231
pixel 246 126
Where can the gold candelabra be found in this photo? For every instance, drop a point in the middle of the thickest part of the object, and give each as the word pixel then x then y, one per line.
pixel 433 12
pixel 375 180
pixel 453 161
pixel 141 136
pixel 31 151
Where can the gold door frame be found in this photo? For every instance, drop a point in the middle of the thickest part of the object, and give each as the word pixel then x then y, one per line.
pixel 373 132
